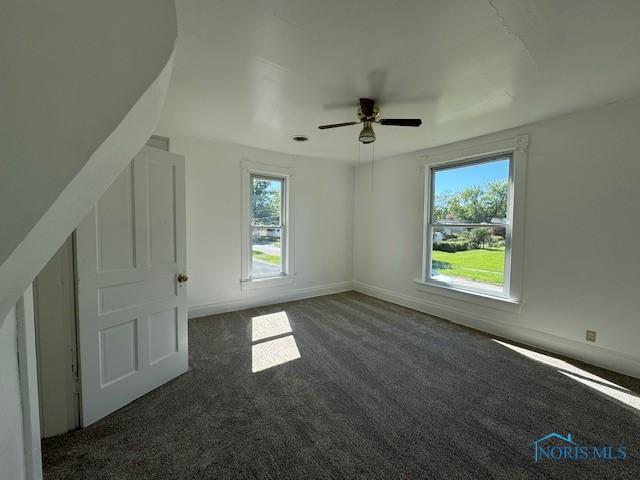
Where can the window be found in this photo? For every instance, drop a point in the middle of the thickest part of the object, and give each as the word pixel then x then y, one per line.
pixel 266 226
pixel 268 197
pixel 469 225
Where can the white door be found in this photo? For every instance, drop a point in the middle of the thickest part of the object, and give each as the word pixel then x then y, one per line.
pixel 132 310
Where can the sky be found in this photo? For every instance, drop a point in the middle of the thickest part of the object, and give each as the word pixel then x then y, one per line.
pixel 456 179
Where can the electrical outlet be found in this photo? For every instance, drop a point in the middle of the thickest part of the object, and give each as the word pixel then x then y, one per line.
pixel 591 336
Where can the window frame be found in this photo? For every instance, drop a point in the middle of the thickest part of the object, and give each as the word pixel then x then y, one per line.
pixel 249 171
pixel 282 226
pixel 517 148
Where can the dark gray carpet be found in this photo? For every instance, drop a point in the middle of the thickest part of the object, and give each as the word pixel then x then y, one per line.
pixel 379 391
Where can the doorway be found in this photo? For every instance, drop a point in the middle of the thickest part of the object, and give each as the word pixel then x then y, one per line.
pixel 54 295
pixel 110 306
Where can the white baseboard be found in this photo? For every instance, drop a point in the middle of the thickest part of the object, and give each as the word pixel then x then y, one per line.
pixel 273 298
pixel 592 354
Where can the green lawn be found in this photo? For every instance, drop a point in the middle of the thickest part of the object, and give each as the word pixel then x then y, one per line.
pixel 272 259
pixel 484 265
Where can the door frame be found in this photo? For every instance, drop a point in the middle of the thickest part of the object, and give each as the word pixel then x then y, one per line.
pixel 71 380
pixel 28 375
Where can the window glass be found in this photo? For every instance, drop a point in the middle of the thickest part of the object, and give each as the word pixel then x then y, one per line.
pixel 266 251
pixel 266 201
pixel 469 224
pixel 267 229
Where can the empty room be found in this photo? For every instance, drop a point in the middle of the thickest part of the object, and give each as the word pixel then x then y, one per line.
pixel 296 239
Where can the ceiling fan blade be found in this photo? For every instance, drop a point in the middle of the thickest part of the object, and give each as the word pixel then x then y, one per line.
pixel 401 122
pixel 334 125
pixel 366 105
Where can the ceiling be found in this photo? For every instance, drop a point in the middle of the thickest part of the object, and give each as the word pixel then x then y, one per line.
pixel 256 72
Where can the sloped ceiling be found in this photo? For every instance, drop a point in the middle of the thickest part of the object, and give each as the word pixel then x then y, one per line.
pixel 82 86
pixel 256 72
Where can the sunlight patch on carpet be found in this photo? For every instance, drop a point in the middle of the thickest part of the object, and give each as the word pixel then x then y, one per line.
pixel 273 352
pixel 270 325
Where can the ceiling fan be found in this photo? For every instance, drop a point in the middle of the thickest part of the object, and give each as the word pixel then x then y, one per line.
pixel 368 114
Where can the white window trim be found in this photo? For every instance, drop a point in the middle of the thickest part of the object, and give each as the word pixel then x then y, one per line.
pixel 517 147
pixel 253 168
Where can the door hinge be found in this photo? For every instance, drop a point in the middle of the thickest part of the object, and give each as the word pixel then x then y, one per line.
pixel 74 366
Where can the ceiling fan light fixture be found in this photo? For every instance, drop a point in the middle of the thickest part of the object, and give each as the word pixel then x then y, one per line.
pixel 367 135
pixel 368 114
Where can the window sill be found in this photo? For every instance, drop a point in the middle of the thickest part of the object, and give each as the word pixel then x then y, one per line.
pixel 267 282
pixel 475 298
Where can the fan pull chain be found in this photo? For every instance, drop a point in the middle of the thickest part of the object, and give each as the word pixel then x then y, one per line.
pixel 373 156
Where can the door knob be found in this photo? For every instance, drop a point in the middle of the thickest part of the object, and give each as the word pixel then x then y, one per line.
pixel 182 278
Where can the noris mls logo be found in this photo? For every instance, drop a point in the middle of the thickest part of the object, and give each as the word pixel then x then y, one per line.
pixel 563 448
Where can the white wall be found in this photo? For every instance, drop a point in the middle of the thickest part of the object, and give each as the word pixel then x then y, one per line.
pixel 323 223
pixel 582 235
pixel 11 437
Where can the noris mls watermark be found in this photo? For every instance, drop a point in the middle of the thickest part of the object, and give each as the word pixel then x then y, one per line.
pixel 564 448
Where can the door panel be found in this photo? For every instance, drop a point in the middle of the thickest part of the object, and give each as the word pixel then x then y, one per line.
pixel 114 222
pixel 162 218
pixel 132 313
pixel 163 335
pixel 118 352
